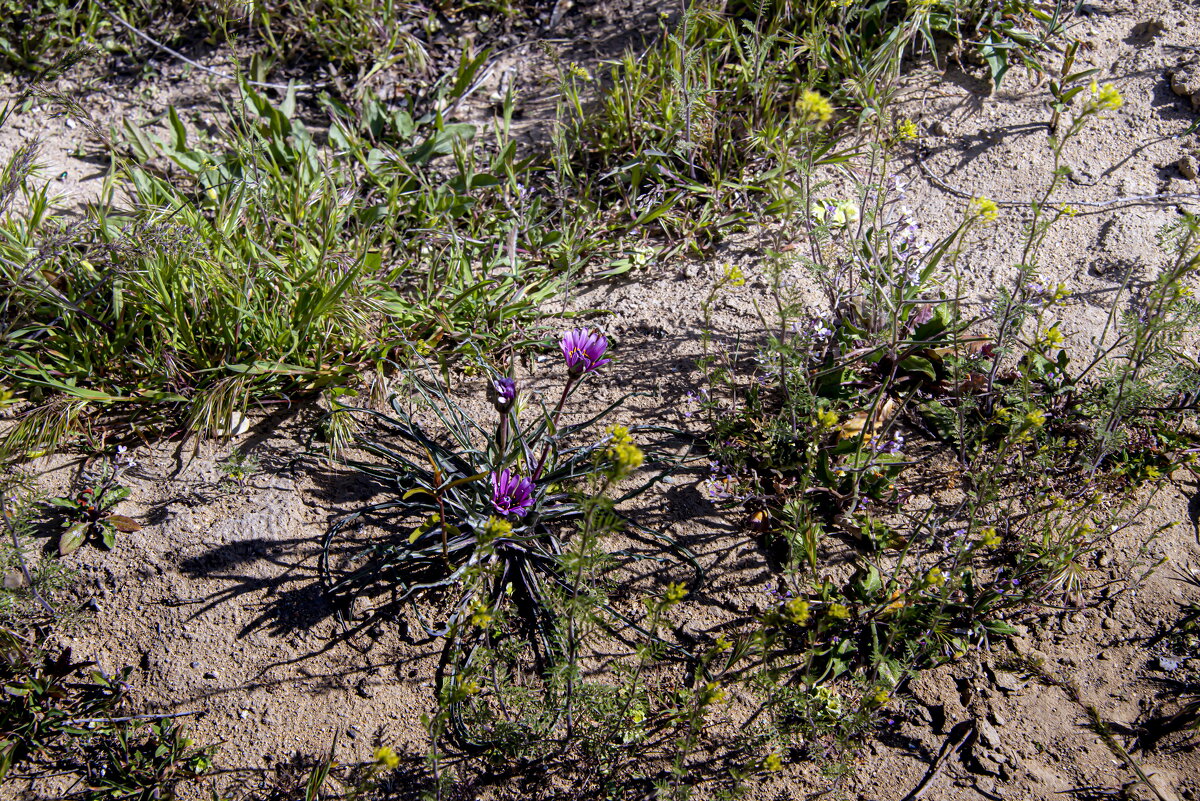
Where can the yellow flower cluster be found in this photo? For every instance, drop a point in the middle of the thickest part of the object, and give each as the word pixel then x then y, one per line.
pixel 386 758
pixel 675 593
pixel 481 614
pixel 797 611
pixel 625 456
pixel 734 275
pixel 814 107
pixel 989 537
pixel 906 130
pixel 984 208
pixel 1106 97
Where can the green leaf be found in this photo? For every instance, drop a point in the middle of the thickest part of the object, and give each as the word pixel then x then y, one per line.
pixel 919 364
pixel 72 538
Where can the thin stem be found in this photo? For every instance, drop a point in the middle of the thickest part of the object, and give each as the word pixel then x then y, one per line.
pixel 16 541
pixel 571 379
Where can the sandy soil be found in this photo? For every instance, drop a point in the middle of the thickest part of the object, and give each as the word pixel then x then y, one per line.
pixel 216 601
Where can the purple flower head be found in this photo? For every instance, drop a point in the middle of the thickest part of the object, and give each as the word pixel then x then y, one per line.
pixel 583 348
pixel 511 494
pixel 502 393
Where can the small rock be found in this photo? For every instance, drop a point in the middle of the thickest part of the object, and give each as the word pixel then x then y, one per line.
pixel 212 674
pixel 1150 27
pixel 1083 176
pixel 988 736
pixel 14 580
pixel 1008 682
pixel 1168 664
pixel 1187 167
pixel 1104 560
pixel 937 128
pixel 1109 624
pixel 1185 81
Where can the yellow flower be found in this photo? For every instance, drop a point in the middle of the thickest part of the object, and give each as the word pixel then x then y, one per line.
pixel 1053 336
pixel 773 762
pixel 797 611
pixel 1106 97
pixel 1035 419
pixel 711 693
pixel 625 456
pixel 934 577
pixel 734 275
pixel 827 418
pixel 386 758
pixel 989 537
pixel 984 208
pixel 496 527
pixel 481 615
pixel 814 107
pixel 906 130
pixel 722 645
pixel 838 611
pixel 845 212
pixel 675 593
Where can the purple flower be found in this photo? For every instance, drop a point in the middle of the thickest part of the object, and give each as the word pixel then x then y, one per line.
pixel 583 348
pixel 503 393
pixel 511 494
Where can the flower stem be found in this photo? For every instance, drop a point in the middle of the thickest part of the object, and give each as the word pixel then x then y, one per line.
pixel 554 425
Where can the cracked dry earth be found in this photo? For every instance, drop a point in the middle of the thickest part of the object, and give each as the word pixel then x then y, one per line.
pixel 216 604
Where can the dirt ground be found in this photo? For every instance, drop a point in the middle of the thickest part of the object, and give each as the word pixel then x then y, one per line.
pixel 216 601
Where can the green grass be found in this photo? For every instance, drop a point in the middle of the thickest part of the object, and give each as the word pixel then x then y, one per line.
pixel 261 266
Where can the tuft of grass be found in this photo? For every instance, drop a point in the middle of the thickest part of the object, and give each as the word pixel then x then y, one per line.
pixel 262 268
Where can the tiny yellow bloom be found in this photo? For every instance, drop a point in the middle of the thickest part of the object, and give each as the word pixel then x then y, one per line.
pixel 578 71
pixel 984 209
pixel 838 611
pixel 496 527
pixel 385 757
pixel 675 593
pixel 814 107
pixel 797 611
pixel 906 130
pixel 1053 336
pixel 1035 419
pixel 934 577
pixel 711 693
pixel 1106 97
pixel 827 418
pixel 734 275
pixel 773 762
